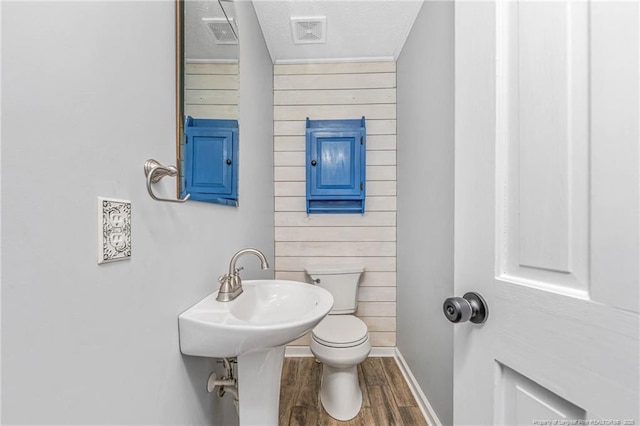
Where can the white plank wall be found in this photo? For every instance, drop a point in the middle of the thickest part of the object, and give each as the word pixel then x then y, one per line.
pixel 211 90
pixel 339 91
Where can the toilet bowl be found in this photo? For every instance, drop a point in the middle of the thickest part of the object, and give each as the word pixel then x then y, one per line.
pixel 340 342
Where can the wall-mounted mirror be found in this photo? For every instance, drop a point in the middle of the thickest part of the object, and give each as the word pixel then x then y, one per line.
pixel 208 95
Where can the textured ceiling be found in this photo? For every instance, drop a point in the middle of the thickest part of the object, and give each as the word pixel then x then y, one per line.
pixel 356 29
pixel 199 42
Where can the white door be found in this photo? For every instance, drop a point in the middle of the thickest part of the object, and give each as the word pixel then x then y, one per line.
pixel 547 211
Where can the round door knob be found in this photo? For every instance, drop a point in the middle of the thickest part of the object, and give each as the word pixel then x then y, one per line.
pixel 314 162
pixel 228 162
pixel 470 307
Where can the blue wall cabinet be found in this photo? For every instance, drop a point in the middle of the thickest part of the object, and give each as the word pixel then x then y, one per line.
pixel 335 169
pixel 211 160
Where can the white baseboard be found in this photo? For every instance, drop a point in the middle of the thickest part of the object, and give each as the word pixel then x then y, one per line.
pixel 426 408
pixel 297 351
pixel 383 351
pixel 302 351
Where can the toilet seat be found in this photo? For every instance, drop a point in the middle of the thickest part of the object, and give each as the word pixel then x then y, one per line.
pixel 340 331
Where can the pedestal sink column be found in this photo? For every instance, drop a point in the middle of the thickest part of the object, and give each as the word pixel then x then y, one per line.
pixel 259 386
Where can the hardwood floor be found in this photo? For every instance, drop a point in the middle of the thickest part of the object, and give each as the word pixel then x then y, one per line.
pixel 387 399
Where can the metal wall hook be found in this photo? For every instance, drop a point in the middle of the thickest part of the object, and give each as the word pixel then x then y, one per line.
pixel 154 171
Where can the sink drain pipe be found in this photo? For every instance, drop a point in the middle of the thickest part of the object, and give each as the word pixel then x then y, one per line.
pixel 228 383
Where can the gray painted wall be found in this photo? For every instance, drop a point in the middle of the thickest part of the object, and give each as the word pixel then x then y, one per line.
pixel 425 202
pixel 87 97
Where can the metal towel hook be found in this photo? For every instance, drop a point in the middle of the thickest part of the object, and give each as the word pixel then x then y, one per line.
pixel 154 171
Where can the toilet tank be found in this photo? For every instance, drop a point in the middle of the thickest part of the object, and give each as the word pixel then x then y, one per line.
pixel 342 283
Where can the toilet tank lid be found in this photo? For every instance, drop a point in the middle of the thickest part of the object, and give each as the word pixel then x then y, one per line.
pixel 319 270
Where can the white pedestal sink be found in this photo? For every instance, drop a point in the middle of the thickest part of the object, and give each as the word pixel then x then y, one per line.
pixel 254 328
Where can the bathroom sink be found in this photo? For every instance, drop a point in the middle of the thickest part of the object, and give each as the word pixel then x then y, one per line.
pixel 268 314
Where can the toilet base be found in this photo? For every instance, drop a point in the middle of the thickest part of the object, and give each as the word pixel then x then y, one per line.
pixel 340 392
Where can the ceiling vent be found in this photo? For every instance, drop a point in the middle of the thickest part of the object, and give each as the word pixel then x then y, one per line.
pixel 309 30
pixel 222 30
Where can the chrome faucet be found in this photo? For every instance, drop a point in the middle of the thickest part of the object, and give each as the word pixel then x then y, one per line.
pixel 231 283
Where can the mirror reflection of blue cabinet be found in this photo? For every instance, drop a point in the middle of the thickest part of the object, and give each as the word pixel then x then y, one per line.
pixel 211 160
pixel 335 166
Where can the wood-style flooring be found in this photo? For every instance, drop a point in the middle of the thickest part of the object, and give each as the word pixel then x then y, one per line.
pixel 387 399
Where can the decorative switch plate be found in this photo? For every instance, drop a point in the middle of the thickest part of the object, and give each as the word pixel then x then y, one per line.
pixel 114 230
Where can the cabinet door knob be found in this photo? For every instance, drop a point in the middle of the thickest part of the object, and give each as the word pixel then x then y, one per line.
pixel 228 162
pixel 314 162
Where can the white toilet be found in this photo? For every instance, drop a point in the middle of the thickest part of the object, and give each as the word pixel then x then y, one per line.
pixel 340 341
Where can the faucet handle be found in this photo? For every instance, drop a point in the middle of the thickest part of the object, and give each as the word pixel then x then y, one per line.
pixel 226 284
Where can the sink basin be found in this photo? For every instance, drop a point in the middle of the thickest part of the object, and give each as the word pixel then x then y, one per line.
pixel 269 313
pixel 254 328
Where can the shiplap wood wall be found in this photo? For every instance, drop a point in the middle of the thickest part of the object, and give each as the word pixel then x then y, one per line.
pixel 338 91
pixel 211 90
